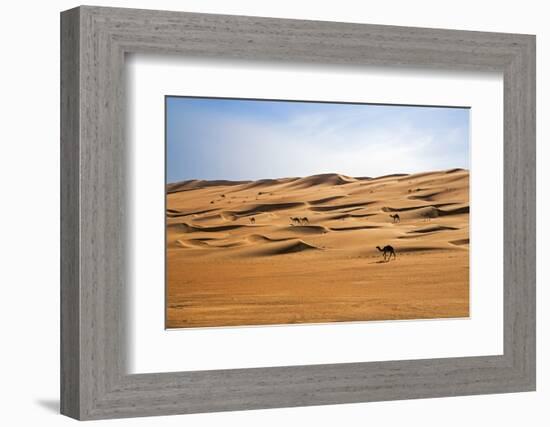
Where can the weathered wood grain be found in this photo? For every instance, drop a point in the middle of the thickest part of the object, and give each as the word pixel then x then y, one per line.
pixel 70 221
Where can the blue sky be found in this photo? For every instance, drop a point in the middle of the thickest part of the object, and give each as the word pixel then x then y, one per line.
pixel 234 139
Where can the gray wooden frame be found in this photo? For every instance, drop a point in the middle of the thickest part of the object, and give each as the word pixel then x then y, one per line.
pixel 94 382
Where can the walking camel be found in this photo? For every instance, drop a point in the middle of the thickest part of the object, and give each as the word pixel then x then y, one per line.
pixel 396 218
pixel 387 250
pixel 253 220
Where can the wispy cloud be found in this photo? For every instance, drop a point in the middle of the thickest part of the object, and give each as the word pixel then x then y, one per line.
pixel 224 139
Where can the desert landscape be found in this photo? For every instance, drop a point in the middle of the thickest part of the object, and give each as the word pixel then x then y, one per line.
pixel 304 250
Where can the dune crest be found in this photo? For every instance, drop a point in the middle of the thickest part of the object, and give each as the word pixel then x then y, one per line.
pixel 197 184
pixel 290 247
pixel 322 179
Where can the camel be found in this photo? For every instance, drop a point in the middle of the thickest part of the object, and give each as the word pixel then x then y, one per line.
pixel 396 218
pixel 304 220
pixel 387 250
pixel 295 220
pixel 253 220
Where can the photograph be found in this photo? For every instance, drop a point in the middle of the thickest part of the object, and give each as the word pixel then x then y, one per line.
pixel 290 212
pixel 263 214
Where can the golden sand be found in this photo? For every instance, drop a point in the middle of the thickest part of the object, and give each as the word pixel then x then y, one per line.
pixel 242 253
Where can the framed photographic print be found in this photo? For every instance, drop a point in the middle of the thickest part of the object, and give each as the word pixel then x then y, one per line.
pixel 264 228
pixel 263 213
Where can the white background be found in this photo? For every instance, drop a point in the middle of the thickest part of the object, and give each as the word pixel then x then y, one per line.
pixel 29 176
pixel 152 349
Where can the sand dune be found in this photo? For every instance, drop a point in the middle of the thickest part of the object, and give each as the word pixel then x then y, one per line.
pixel 195 184
pixel 354 227
pixel 325 200
pixel 322 179
pixel 267 207
pixel 433 228
pixel 186 228
pixel 301 250
pixel 293 246
pixel 343 207
pixel 460 242
pixel 173 213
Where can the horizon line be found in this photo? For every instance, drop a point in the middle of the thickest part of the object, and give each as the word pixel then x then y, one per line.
pixel 244 181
